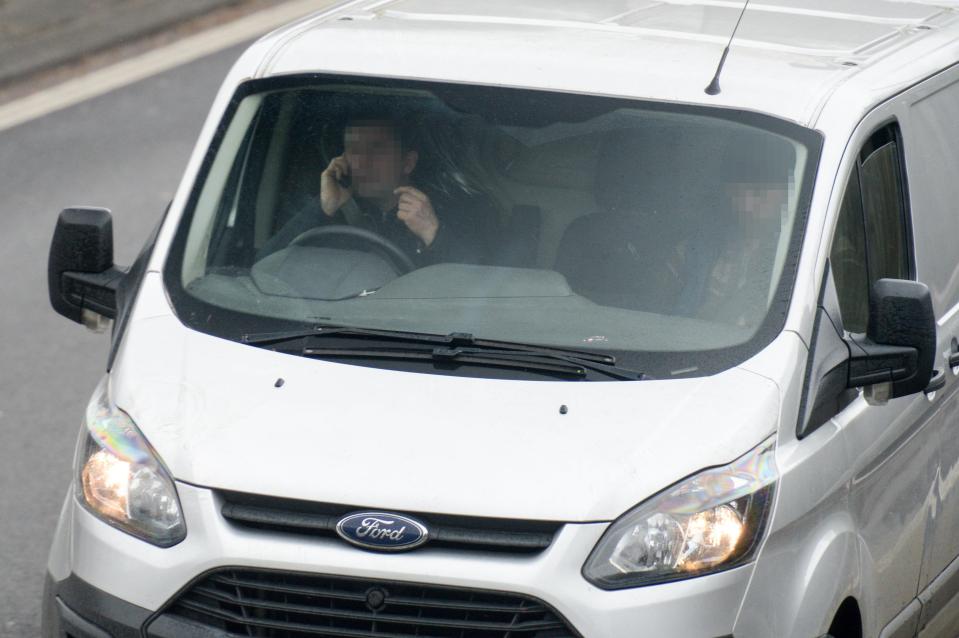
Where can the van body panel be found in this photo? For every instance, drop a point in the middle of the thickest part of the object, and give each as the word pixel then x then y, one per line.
pixel 930 132
pixel 115 562
pixel 803 305
pixel 789 72
pixel 911 436
pixel 893 450
pixel 538 56
pixel 939 615
pixel 784 363
pixel 866 506
pixel 930 128
pixel 811 527
pixel 368 437
pixel 894 459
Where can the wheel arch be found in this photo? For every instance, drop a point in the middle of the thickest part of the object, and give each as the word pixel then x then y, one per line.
pixel 807 576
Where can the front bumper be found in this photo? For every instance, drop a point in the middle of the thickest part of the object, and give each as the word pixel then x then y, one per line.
pixel 138 579
pixel 102 615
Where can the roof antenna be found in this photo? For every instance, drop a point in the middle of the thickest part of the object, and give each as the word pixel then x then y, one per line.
pixel 713 88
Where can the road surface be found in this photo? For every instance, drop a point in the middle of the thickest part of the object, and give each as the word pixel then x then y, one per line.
pixel 124 151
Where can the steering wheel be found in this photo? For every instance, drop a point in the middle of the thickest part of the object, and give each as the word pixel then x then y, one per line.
pixel 317 236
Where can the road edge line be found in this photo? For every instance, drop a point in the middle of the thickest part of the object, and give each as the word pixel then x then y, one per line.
pixel 153 62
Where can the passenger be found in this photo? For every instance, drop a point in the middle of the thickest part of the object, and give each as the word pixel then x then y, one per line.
pixel 376 174
pixel 735 286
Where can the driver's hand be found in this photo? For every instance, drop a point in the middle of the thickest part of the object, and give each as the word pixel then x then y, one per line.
pixel 333 194
pixel 416 211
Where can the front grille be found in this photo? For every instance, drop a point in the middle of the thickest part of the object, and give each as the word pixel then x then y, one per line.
pixel 319 519
pixel 244 602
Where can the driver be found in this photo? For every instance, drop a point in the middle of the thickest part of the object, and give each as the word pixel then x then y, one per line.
pixel 372 185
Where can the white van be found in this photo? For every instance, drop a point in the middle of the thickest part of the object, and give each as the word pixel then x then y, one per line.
pixel 488 320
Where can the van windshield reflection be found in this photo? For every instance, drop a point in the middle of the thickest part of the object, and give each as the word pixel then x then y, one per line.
pixel 576 222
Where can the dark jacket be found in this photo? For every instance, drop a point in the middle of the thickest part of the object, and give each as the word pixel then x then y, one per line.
pixel 466 229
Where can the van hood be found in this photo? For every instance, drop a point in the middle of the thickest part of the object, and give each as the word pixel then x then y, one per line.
pixel 381 439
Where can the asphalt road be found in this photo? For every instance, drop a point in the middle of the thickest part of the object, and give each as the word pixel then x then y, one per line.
pixel 124 151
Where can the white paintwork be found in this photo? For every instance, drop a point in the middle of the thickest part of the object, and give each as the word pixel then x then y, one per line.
pixel 930 122
pixel 785 59
pixel 112 561
pixel 866 505
pixel 379 438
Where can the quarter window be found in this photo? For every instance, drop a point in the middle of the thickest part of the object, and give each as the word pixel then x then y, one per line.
pixel 872 234
pixel 885 212
pixel 848 259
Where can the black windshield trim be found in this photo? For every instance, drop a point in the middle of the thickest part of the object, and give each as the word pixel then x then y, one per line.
pixel 221 322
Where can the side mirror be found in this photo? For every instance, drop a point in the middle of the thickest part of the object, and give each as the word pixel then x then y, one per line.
pixel 81 275
pixel 899 350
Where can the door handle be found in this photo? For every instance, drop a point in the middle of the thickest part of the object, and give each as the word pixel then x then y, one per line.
pixel 954 359
pixel 938 382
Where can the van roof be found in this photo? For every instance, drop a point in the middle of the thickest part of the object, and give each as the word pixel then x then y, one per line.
pixel 788 57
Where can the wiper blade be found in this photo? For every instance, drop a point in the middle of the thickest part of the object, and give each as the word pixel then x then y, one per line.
pixel 506 358
pixel 323 330
pixel 609 369
pixel 455 339
pixel 480 357
pixel 457 346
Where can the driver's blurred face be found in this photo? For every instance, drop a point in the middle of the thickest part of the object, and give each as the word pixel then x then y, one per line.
pixel 377 162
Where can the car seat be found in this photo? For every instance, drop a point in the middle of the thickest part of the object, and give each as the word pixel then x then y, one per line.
pixel 650 187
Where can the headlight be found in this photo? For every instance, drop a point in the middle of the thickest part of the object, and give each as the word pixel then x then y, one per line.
pixel 122 480
pixel 710 522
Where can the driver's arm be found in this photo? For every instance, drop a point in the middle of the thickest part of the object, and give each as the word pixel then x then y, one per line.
pixel 415 210
pixel 334 186
pixel 311 216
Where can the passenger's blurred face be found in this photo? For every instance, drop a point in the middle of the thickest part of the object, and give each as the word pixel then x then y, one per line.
pixel 377 162
pixel 758 206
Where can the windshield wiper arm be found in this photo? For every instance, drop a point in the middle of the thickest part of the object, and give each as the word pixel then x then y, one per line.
pixel 439 355
pixel 323 330
pixel 458 347
pixel 455 339
pixel 508 358
pixel 609 369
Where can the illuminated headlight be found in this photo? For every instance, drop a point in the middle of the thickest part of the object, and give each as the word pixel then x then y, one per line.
pixel 710 522
pixel 122 480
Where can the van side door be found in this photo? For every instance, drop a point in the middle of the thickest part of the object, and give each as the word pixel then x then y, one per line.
pixel 931 136
pixel 893 448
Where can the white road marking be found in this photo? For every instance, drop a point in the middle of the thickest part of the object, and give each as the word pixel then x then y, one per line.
pixel 155 61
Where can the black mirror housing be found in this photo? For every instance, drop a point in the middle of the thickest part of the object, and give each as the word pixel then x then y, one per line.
pixel 80 271
pixel 900 345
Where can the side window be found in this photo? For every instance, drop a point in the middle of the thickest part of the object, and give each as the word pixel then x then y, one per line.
pixel 848 259
pixel 884 206
pixel 872 234
pixel 233 241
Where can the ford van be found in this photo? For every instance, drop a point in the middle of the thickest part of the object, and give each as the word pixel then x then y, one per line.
pixel 536 320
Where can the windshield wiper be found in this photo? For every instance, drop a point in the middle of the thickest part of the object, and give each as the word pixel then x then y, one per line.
pixel 459 348
pixel 509 358
pixel 455 339
pixel 494 359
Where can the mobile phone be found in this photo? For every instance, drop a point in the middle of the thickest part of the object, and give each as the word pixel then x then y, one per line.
pixel 345 180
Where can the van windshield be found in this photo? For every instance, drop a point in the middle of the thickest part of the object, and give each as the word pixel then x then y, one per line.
pixel 665 235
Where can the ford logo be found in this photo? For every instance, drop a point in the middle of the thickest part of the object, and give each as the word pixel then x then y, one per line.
pixel 382 531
